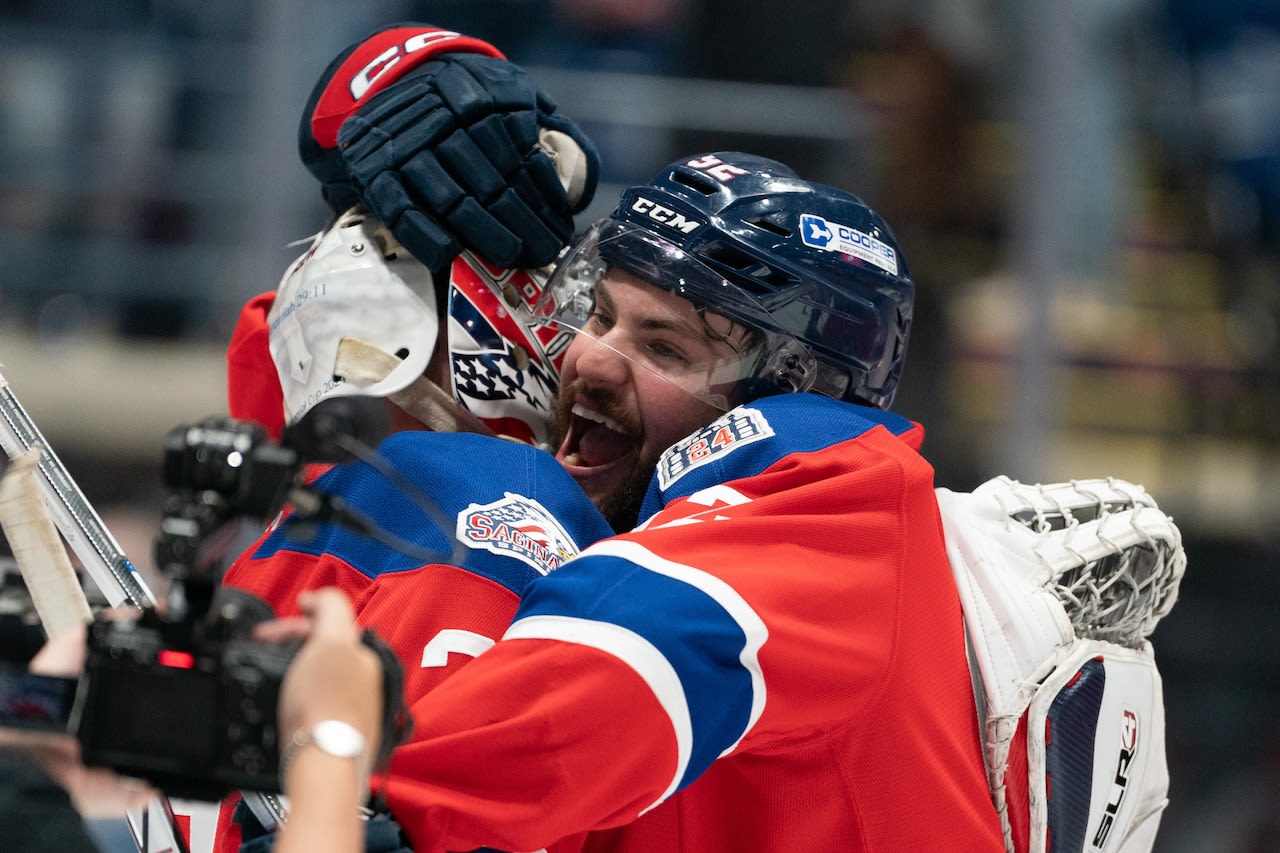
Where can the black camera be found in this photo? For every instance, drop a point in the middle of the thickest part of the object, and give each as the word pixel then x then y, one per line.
pixel 197 720
pixel 232 459
pixel 182 696
pixel 216 472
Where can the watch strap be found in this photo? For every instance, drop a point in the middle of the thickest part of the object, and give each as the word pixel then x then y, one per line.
pixel 335 737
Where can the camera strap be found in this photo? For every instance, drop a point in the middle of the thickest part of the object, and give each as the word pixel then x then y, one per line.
pixel 269 809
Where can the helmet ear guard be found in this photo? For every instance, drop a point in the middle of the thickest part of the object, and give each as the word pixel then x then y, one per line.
pixel 791 367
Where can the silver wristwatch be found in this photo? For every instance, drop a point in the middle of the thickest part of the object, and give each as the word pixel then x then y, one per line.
pixel 335 737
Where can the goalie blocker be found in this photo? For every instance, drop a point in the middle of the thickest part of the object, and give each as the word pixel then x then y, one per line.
pixel 1061 587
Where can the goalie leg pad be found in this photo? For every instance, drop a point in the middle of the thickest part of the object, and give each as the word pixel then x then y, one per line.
pixel 1096 752
pixel 1070 726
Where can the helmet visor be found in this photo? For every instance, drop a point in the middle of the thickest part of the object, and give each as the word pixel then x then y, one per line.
pixel 715 342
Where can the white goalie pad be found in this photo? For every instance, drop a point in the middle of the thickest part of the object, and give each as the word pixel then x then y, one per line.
pixel 1107 798
pixel 1050 577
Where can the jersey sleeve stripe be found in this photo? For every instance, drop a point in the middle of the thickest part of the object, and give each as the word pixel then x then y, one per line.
pixel 752 626
pixel 637 653
pixel 710 638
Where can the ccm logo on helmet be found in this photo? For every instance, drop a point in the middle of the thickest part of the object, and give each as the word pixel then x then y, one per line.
pixel 665 215
pixel 385 61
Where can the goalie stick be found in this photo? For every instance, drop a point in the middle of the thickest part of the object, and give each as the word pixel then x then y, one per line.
pixel 112 572
pixel 55 590
pixel 39 495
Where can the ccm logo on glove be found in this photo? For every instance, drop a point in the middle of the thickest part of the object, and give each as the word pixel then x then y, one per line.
pixel 376 63
pixel 385 61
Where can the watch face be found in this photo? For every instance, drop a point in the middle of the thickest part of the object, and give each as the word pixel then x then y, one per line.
pixel 338 738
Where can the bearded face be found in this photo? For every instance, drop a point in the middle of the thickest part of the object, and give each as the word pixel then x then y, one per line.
pixel 636 379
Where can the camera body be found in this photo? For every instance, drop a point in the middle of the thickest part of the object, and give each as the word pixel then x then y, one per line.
pixel 183 696
pixel 233 459
pixel 196 721
pixel 216 471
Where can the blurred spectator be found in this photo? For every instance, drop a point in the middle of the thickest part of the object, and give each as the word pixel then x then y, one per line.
pixel 928 118
pixel 1232 53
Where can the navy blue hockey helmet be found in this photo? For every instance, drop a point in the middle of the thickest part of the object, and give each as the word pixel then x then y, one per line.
pixel 811 269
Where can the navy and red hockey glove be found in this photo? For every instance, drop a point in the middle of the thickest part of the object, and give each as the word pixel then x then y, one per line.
pixel 450 145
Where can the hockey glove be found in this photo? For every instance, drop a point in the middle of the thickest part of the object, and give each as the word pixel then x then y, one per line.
pixel 451 146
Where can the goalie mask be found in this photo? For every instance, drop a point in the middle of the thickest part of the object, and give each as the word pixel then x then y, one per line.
pixel 354 281
pixel 357 285
pixel 504 365
pixel 810 271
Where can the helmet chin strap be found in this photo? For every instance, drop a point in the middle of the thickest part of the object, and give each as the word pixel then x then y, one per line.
pixel 363 364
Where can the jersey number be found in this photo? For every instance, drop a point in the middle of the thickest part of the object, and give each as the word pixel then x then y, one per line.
pixel 436 652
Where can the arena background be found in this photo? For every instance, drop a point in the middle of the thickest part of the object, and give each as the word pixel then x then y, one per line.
pixel 1087 191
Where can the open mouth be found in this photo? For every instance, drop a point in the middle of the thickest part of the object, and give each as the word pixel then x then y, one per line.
pixel 595 440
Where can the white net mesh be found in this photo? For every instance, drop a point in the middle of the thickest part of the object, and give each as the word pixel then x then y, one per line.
pixel 1115 559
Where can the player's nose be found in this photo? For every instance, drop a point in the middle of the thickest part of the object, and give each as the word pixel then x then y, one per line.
pixel 601 363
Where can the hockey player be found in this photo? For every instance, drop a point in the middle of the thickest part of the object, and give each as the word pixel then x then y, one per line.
pixel 382 303
pixel 790 594
pixel 787 598
pixel 387 306
pixel 774 659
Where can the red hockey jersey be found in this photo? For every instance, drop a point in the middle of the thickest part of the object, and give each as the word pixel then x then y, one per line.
pixel 774 661
pixel 460 525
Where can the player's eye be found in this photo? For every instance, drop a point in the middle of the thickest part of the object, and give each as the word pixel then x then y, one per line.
pixel 599 320
pixel 667 352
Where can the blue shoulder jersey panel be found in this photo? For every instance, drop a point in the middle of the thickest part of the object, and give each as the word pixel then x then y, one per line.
pixel 504 510
pixel 700 659
pixel 752 437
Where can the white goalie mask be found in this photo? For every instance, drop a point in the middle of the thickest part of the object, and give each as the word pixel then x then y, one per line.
pixel 355 281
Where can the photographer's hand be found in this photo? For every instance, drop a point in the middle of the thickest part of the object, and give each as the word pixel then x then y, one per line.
pixel 93 790
pixel 334 677
pixel 63 655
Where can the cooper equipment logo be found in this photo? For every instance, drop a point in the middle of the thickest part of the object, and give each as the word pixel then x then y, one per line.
pixel 833 237
pixel 1124 762
pixel 519 527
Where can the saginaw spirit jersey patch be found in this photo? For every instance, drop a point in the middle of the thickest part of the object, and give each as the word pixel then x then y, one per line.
pixel 833 237
pixel 520 527
pixel 722 436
